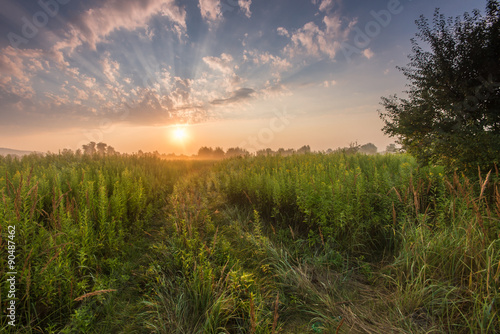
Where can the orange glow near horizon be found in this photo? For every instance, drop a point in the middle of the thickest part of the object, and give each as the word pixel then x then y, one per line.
pixel 180 134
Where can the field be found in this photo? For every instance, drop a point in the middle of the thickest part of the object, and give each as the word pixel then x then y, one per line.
pixel 311 243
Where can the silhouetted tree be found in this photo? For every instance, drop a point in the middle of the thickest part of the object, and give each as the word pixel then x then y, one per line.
pixel 66 151
pixel 218 153
pixel 391 148
pixel 352 149
pixel 265 152
pixel 368 148
pixel 236 151
pixel 304 149
pixel 205 152
pixel 111 151
pixel 452 113
pixel 101 148
pixel 89 148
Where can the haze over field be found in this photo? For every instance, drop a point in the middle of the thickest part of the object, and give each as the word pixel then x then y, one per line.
pixel 172 75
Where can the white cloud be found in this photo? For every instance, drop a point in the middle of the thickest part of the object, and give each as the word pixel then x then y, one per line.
pixel 95 24
pixel 18 67
pixel 331 83
pixel 368 53
pixel 324 5
pixel 210 10
pixel 222 63
pixel 283 32
pixel 80 93
pixel 110 68
pixel 245 6
pixel 275 61
pixel 317 41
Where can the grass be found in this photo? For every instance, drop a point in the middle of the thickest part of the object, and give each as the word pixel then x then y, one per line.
pixel 301 244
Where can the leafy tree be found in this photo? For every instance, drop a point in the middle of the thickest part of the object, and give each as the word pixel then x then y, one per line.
pixel 391 148
pixel 265 152
pixel 451 115
pixel 352 149
pixel 89 148
pixel 236 151
pixel 304 149
pixel 205 152
pixel 111 150
pixel 101 148
pixel 218 153
pixel 368 148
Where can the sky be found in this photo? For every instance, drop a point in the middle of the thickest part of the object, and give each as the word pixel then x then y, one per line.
pixel 172 76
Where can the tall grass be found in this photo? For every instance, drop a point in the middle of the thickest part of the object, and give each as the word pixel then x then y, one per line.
pixel 309 243
pixel 74 216
pixel 351 243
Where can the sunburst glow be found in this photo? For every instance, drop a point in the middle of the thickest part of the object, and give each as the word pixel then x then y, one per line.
pixel 180 134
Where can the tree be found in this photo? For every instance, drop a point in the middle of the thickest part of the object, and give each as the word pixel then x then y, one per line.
pixel 111 151
pixel 391 148
pixel 368 148
pixel 352 149
pixel 236 151
pixel 101 148
pixel 265 152
pixel 451 115
pixel 205 152
pixel 218 153
pixel 89 149
pixel 304 149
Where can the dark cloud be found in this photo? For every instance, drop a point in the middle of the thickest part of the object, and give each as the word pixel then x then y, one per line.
pixel 7 98
pixel 238 95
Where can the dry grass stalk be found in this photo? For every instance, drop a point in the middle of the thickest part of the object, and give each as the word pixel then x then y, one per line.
pixel 293 234
pixel 51 259
pixel 340 325
pixel 483 185
pixel 95 293
pixel 393 215
pixel 253 324
pixel 321 235
pixel 276 315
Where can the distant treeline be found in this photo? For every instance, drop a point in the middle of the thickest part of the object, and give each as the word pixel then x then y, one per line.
pixel 103 149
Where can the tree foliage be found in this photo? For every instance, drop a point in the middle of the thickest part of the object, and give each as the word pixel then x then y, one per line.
pixel 369 148
pixel 451 115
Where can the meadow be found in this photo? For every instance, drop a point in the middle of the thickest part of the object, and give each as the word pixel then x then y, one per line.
pixel 307 243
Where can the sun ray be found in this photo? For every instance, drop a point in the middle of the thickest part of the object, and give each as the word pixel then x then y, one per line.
pixel 180 134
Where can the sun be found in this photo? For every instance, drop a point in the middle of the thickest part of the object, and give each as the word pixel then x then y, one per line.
pixel 180 133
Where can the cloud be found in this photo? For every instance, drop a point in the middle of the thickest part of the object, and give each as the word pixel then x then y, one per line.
pixel 222 63
pixel 274 90
pixel 210 10
pixel 331 83
pixel 324 5
pixel 276 61
pixel 283 32
pixel 8 98
pixel 368 53
pixel 311 40
pixel 110 68
pixel 320 41
pixel 18 67
pixel 94 25
pixel 238 95
pixel 245 6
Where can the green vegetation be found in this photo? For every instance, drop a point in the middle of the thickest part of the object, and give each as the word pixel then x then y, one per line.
pixel 78 220
pixel 310 243
pixel 451 115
